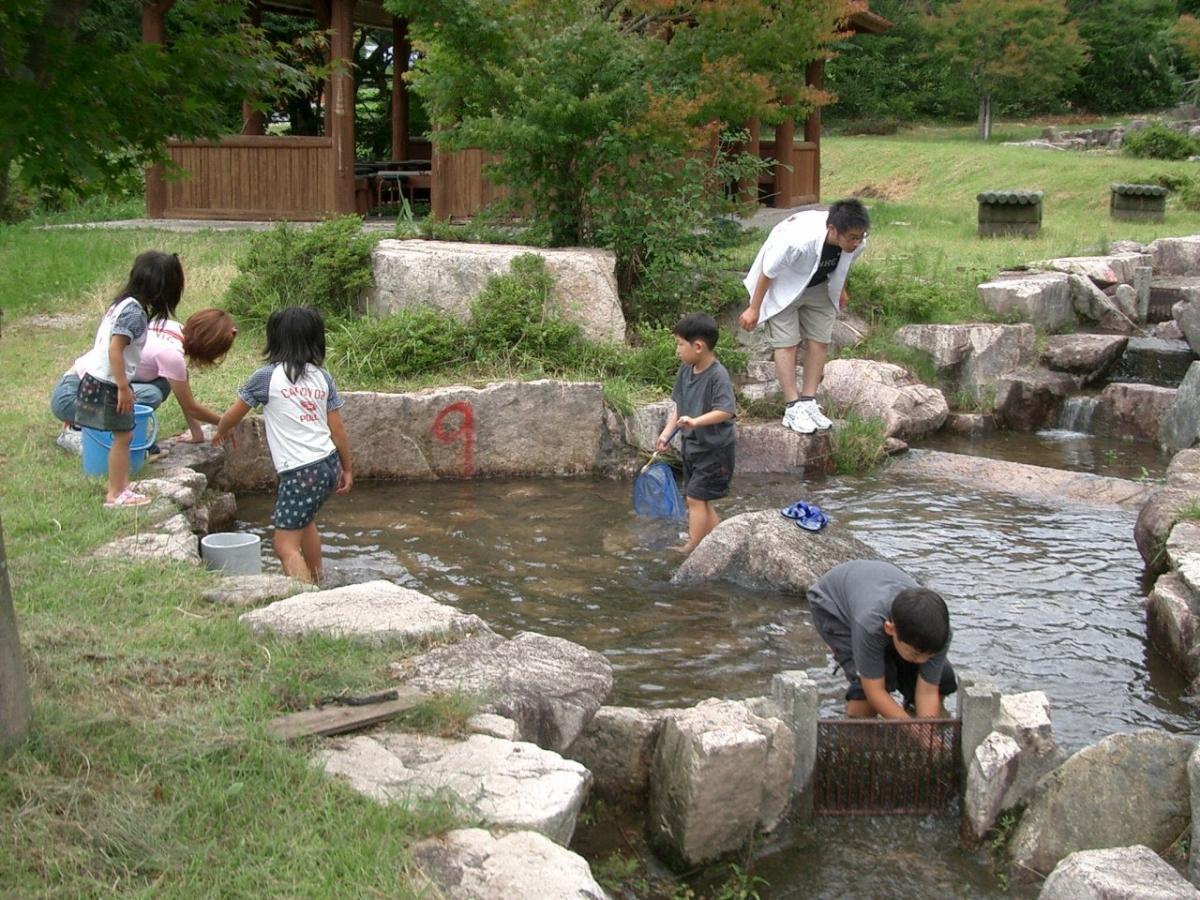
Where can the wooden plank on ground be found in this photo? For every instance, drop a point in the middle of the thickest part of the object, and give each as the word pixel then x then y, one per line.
pixel 340 719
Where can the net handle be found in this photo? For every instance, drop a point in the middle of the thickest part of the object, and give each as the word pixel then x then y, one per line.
pixel 654 455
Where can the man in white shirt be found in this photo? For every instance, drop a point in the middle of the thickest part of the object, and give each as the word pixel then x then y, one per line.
pixel 797 285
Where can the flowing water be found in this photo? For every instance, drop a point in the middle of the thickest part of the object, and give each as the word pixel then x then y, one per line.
pixel 1042 597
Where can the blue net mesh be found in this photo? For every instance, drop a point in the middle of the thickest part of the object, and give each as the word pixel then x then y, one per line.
pixel 656 495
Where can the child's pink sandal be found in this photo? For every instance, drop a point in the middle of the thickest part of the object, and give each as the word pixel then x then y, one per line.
pixel 127 497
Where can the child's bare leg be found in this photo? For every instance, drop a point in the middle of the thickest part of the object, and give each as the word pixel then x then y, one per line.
pixel 699 512
pixel 310 546
pixel 118 464
pixel 291 556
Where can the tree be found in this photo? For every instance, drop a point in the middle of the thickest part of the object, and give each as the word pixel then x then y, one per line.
pixel 608 117
pixel 1011 50
pixel 1130 63
pixel 14 693
pixel 83 103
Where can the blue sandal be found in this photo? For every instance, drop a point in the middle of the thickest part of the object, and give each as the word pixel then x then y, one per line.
pixel 806 515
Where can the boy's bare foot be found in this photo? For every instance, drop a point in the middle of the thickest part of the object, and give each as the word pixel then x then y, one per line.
pixel 684 549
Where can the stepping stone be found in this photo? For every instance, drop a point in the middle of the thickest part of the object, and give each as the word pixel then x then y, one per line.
pixel 506 783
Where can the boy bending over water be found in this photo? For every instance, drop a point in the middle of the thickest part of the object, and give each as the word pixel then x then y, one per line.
pixel 887 633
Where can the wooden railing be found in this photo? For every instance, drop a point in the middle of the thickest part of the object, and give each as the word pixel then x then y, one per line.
pixel 248 177
pixel 805 177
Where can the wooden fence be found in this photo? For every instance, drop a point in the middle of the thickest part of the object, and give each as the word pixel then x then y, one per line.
pixel 248 177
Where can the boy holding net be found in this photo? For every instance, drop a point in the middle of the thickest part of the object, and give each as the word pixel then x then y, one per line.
pixel 704 413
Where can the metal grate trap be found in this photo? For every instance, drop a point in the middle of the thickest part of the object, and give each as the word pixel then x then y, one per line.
pixel 881 767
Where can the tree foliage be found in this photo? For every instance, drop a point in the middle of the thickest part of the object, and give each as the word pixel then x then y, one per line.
pixel 1131 63
pixel 608 117
pixel 84 102
pixel 1010 50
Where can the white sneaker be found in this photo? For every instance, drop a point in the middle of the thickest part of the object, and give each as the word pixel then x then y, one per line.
pixel 822 421
pixel 797 418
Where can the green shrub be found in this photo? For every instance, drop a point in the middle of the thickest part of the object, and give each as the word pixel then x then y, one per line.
pixel 514 324
pixel 327 267
pixel 899 298
pixel 407 344
pixel 1159 142
pixel 858 445
pixel 1185 188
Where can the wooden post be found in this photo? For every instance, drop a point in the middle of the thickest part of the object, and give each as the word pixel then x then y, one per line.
pixel 814 76
pixel 748 187
pixel 339 116
pixel 785 163
pixel 154 31
pixel 401 48
pixel 253 121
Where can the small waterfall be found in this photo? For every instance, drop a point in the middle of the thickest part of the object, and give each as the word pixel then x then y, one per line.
pixel 1076 414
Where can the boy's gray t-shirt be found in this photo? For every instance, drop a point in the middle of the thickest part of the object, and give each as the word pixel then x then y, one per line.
pixel 697 393
pixel 859 594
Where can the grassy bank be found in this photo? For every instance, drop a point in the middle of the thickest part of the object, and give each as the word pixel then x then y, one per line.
pixel 148 773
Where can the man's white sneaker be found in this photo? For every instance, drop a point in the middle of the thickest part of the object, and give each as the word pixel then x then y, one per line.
pixel 71 441
pixel 822 421
pixel 796 418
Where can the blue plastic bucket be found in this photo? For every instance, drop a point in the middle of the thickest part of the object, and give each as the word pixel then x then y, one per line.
pixel 96 443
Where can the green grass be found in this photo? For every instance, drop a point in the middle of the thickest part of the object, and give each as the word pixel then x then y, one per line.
pixel 148 773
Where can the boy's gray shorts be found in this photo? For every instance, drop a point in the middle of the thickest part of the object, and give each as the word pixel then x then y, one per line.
pixel 810 317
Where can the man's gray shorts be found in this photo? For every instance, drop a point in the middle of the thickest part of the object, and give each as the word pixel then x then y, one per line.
pixel 810 317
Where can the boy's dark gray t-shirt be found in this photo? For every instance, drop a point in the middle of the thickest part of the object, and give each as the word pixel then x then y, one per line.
pixel 697 393
pixel 859 594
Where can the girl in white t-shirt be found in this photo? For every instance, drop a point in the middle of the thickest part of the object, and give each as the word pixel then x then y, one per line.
pixel 305 433
pixel 105 399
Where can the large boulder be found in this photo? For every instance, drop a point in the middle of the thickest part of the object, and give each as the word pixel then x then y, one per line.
pixel 1093 305
pixel 505 783
pixel 1126 789
pixel 1116 268
pixel 171 539
pixel 763 549
pixel 1025 718
pixel 1154 523
pixel 1058 485
pixel 768 447
pixel 1176 255
pixel 617 747
pixel 1131 410
pixel 376 612
pixel 1180 426
pixel 1187 316
pixel 1173 624
pixel 992 771
pixel 251 590
pixel 1184 469
pixel 549 686
pixel 720 774
pixel 971 357
pixel 449 275
pixel 507 428
pixel 1089 355
pixel 474 864
pixel 881 390
pixel 1030 399
pixel 1040 298
pixel 1118 873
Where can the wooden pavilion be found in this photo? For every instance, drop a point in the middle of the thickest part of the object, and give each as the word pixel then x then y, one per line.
pixel 254 175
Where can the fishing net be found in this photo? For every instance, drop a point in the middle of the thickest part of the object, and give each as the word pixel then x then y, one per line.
pixel 655 494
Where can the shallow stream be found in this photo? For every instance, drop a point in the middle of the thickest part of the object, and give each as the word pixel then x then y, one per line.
pixel 1042 597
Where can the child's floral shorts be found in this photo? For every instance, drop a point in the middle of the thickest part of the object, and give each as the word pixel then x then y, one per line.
pixel 302 491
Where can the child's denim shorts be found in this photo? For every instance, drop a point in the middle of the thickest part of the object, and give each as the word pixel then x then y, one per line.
pixel 96 406
pixel 303 490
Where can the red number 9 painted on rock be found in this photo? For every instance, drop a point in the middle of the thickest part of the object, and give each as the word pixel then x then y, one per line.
pixel 465 430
